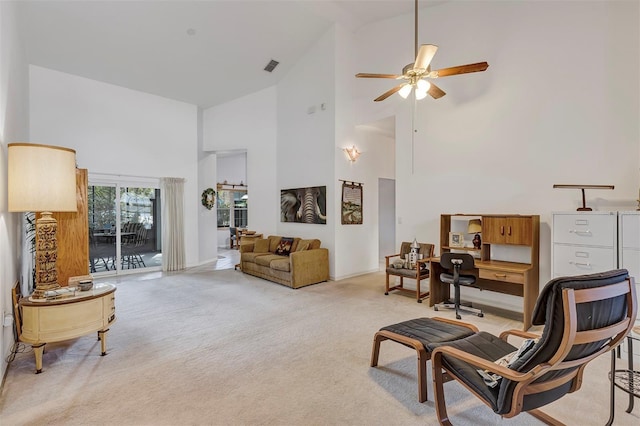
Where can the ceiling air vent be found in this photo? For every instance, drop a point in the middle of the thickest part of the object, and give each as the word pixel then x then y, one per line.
pixel 271 65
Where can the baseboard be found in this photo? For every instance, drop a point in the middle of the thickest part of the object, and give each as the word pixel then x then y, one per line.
pixel 357 274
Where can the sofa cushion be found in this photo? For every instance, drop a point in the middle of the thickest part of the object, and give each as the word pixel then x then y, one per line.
pixel 281 265
pixel 251 256
pixel 261 246
pixel 265 259
pixel 294 246
pixel 274 240
pixel 312 244
pixel 284 248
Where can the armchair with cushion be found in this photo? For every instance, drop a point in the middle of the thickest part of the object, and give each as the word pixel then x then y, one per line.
pixel 398 267
pixel 584 317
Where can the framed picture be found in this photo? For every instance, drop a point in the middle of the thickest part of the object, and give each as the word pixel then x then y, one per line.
pixel 351 203
pixel 304 205
pixel 456 239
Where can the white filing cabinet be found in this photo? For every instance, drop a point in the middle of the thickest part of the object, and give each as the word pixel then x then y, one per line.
pixel 629 247
pixel 584 243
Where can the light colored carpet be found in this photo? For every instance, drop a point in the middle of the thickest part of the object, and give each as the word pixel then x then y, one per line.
pixel 218 347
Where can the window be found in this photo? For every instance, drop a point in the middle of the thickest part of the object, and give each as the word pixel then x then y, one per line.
pixel 232 208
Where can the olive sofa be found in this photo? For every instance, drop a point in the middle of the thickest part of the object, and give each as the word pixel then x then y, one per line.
pixel 293 262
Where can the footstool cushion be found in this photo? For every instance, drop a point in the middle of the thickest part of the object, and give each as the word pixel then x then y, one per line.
pixel 429 330
pixel 418 334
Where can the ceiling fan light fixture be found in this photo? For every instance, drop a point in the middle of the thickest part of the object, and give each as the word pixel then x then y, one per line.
pixel 414 73
pixel 404 92
pixel 423 85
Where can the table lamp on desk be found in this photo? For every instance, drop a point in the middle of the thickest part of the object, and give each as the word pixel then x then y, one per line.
pixel 475 227
pixel 42 178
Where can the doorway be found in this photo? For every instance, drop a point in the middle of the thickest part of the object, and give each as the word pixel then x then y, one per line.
pixel 386 218
pixel 124 227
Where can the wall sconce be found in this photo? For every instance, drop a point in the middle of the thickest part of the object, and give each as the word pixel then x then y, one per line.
pixel 352 153
pixel 42 178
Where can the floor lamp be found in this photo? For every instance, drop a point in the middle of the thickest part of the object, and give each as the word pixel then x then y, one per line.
pixel 42 178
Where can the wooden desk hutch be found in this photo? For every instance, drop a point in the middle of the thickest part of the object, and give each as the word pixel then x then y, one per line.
pixel 508 277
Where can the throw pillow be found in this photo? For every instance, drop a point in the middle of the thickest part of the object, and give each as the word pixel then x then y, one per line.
pixel 261 246
pixel 302 243
pixel 492 379
pixel 284 248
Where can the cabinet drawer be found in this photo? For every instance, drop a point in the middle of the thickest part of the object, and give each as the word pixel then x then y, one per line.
pixel 510 277
pixel 573 260
pixel 595 230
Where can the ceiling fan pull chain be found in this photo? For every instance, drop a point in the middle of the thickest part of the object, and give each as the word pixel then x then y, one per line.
pixel 413 133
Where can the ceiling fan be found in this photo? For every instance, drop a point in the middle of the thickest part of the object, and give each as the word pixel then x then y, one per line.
pixel 415 74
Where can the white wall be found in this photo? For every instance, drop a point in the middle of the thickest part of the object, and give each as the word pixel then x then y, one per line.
pixel 356 246
pixel 119 131
pixel 14 127
pixel 558 104
pixel 232 168
pixel 306 142
pixel 249 123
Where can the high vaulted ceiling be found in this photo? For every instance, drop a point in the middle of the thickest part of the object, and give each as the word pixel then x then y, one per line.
pixel 201 52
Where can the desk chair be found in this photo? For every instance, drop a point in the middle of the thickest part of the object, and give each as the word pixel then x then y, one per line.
pixel 454 263
pixel 233 238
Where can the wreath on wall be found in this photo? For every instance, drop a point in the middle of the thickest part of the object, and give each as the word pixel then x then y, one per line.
pixel 209 198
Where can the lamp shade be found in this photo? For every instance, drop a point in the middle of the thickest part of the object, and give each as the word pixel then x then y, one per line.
pixel 475 226
pixel 41 178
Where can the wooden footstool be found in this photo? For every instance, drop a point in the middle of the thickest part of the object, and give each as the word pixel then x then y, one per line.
pixel 417 334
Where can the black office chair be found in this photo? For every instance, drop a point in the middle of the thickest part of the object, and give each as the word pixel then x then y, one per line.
pixel 454 263
pixel 233 238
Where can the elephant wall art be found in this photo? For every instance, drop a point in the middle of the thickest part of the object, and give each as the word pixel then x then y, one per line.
pixel 305 205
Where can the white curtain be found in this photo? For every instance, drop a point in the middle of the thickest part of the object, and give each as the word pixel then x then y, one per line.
pixel 173 257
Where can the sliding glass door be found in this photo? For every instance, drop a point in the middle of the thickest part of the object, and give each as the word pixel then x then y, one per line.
pixel 124 226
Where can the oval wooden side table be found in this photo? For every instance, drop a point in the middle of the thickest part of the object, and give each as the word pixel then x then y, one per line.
pixel 67 315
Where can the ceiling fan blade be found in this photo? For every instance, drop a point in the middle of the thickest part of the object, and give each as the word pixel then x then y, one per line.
pixel 425 55
pixel 369 75
pixel 389 92
pixel 462 69
pixel 435 91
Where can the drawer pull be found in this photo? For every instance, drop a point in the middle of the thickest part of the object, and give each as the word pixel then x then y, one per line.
pixel 579 232
pixel 580 264
pixel 500 275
